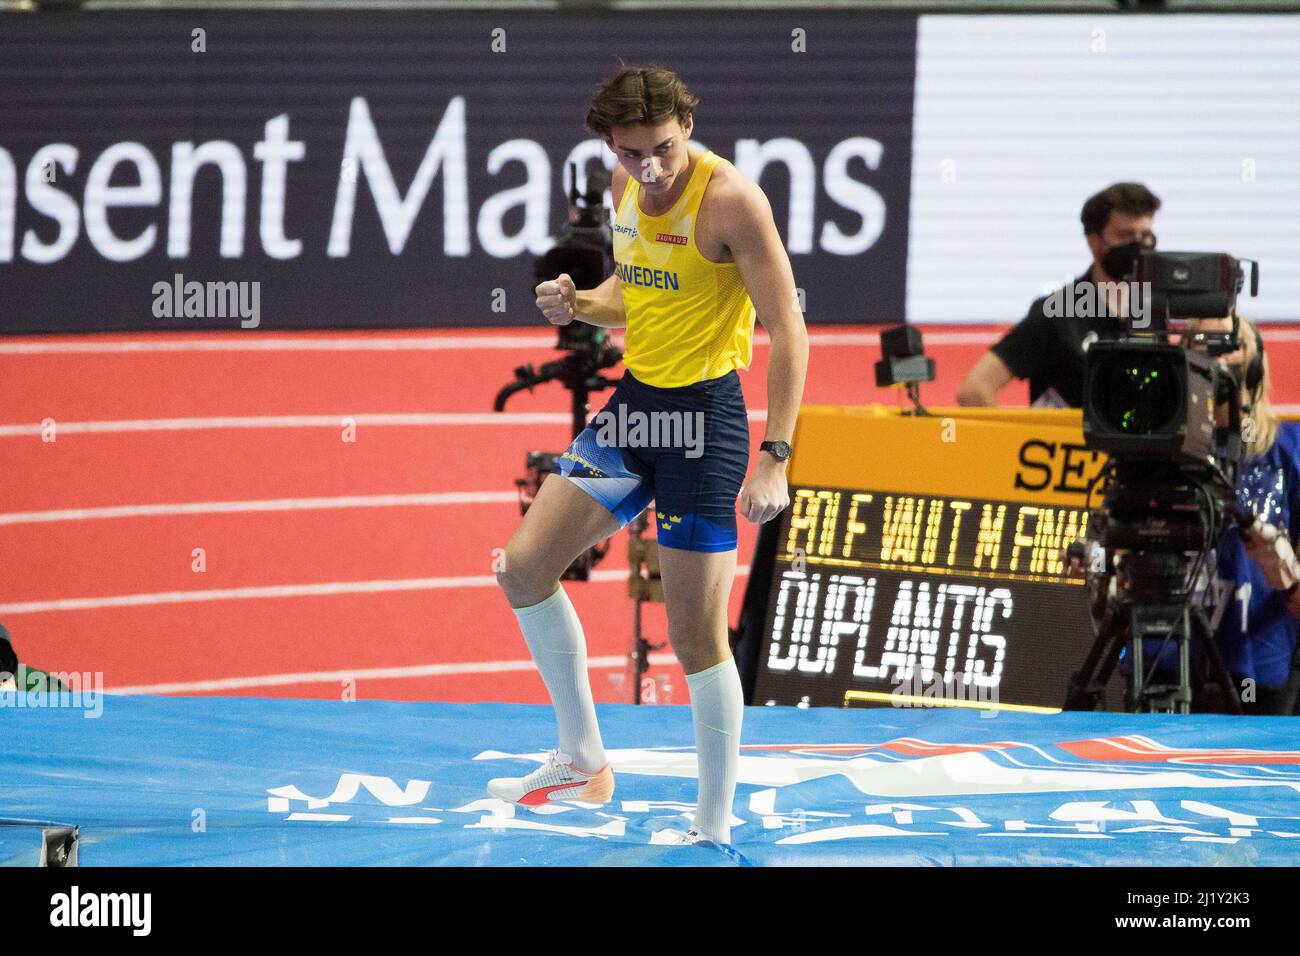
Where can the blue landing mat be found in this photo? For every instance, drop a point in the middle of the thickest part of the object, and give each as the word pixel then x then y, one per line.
pixel 247 781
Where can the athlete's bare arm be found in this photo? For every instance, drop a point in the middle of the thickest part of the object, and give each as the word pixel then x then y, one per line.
pixel 602 305
pixel 562 303
pixel 748 232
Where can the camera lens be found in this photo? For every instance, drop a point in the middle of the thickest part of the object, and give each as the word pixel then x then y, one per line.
pixel 1137 394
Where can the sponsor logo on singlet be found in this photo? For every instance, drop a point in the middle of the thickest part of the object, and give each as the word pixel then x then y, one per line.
pixel 669 237
pixel 647 277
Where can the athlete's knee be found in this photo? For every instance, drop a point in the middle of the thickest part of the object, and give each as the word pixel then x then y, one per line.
pixel 699 645
pixel 522 576
pixel 692 633
pixel 512 567
pixel 700 657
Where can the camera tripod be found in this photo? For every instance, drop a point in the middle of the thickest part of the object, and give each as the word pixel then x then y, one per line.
pixel 1128 624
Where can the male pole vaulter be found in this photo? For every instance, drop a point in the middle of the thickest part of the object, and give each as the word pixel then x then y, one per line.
pixel 698 255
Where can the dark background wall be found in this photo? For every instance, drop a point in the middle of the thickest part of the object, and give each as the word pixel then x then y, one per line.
pixel 495 101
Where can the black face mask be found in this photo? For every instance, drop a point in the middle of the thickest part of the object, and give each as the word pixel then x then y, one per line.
pixel 1119 260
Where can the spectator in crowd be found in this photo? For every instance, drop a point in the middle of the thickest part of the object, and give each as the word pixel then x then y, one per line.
pixel 1048 345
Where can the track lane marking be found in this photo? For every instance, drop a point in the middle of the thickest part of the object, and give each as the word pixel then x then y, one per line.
pixel 259 592
pixel 400 420
pixel 371 673
pixel 271 504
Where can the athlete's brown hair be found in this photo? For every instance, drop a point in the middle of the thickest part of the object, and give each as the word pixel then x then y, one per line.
pixel 647 95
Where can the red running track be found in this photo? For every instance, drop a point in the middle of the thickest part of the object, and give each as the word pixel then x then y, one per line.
pixel 324 558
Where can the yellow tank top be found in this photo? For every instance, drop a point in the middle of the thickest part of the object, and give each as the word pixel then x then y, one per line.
pixel 688 319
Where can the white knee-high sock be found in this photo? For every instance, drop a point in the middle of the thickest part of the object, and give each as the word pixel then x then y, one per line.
pixel 718 707
pixel 554 637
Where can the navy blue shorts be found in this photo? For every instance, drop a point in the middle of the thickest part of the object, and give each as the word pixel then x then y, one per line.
pixel 687 448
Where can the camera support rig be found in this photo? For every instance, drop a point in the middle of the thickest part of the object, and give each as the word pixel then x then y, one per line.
pixel 1170 421
pixel 1145 596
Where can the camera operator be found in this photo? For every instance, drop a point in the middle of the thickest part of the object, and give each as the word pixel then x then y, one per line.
pixel 1047 347
pixel 1257 568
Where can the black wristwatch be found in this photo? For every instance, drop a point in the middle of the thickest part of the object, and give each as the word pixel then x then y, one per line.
pixel 778 449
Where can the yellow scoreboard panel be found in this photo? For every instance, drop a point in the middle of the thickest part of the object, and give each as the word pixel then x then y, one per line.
pixel 920 560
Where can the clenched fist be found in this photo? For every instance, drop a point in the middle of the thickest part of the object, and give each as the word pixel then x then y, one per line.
pixel 766 494
pixel 557 299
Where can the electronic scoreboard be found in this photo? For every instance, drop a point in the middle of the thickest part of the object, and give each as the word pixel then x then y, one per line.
pixel 919 562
